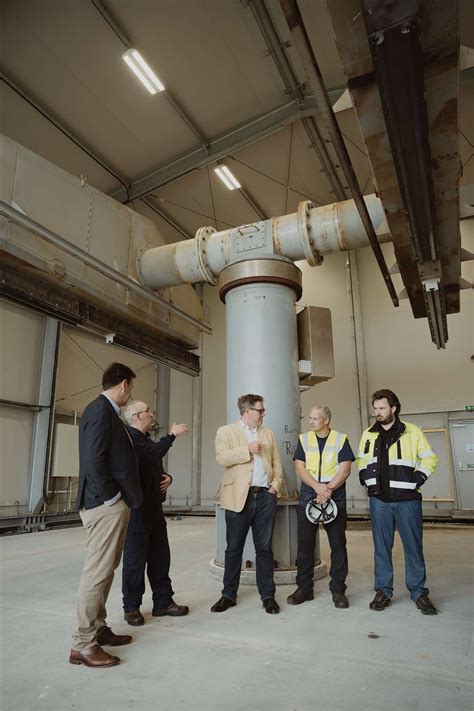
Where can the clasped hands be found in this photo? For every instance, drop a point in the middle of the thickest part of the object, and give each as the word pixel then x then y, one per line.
pixel 323 492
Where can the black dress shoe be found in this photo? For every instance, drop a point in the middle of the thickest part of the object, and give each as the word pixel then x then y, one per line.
pixel 106 636
pixel 173 610
pixel 223 604
pixel 134 618
pixel 299 596
pixel 340 600
pixel 271 606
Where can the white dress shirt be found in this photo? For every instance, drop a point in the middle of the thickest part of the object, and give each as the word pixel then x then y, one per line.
pixel 259 475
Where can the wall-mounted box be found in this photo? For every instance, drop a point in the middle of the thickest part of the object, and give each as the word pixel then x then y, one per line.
pixel 315 348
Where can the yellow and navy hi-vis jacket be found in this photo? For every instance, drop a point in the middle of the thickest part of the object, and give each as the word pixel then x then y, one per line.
pixel 323 469
pixel 410 461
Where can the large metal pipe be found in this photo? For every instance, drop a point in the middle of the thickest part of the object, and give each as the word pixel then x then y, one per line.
pixel 308 234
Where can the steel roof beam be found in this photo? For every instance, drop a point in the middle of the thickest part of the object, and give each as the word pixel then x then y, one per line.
pixel 278 51
pixel 219 147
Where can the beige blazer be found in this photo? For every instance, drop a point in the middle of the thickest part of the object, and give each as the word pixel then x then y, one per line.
pixel 233 454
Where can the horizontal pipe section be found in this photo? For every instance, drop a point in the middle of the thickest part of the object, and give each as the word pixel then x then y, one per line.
pixel 307 234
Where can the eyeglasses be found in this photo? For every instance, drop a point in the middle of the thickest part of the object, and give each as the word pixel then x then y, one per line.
pixel 140 412
pixel 256 409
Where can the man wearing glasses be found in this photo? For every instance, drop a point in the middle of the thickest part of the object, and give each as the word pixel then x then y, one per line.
pixel 146 544
pixel 252 481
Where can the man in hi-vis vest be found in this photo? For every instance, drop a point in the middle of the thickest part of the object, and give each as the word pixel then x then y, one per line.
pixel 323 462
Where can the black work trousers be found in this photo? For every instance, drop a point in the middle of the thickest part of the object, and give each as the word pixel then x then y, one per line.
pixel 150 551
pixel 336 532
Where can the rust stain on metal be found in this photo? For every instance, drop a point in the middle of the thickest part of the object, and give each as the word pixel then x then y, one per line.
pixel 275 238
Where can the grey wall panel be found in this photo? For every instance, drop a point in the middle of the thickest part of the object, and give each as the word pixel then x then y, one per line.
pixel 82 358
pixel 180 455
pixel 16 431
pixel 21 338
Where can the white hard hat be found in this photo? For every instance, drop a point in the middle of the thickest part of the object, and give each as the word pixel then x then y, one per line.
pixel 321 513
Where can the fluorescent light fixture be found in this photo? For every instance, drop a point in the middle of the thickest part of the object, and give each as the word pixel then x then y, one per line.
pixel 229 180
pixel 141 69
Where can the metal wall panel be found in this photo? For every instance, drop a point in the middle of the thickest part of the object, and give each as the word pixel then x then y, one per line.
pixel 16 432
pixel 21 338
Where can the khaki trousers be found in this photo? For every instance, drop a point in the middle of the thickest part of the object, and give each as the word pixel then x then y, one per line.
pixel 106 527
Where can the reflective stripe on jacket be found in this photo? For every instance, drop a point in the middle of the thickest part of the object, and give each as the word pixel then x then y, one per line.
pixel 326 469
pixel 410 461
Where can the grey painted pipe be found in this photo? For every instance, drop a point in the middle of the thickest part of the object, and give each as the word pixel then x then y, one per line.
pixel 307 234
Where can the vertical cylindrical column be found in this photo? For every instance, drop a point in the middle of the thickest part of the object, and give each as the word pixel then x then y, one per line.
pixel 262 358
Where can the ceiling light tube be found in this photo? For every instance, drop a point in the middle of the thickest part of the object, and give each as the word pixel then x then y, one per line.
pixel 141 69
pixel 229 180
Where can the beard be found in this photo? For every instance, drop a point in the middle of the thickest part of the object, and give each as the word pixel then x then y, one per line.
pixel 386 420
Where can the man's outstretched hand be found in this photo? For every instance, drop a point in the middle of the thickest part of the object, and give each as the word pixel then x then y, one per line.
pixel 178 430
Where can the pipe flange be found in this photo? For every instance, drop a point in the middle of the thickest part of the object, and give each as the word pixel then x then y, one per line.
pixel 313 257
pixel 138 263
pixel 273 270
pixel 201 236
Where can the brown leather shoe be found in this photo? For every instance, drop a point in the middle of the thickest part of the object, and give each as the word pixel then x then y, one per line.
pixel 106 636
pixel 93 657
pixel 173 610
pixel 134 618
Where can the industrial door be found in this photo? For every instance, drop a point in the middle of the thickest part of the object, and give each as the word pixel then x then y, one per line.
pixel 462 437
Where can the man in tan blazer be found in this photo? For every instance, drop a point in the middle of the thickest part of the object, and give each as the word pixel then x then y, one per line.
pixel 252 482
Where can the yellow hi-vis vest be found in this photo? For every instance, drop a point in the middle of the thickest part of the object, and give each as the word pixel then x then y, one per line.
pixel 323 469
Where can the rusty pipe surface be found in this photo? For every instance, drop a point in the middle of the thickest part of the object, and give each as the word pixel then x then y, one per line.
pixel 303 45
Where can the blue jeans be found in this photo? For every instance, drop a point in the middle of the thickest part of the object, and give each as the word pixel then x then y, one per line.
pixel 407 517
pixel 259 514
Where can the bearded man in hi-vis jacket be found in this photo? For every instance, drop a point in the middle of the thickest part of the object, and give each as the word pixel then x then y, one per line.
pixel 395 460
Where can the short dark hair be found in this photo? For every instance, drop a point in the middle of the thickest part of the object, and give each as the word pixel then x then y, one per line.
pixel 115 373
pixel 393 400
pixel 246 401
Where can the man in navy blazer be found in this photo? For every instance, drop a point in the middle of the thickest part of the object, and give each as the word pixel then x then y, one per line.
pixel 109 486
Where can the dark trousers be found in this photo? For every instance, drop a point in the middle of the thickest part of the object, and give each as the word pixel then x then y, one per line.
pixel 259 514
pixel 150 551
pixel 336 532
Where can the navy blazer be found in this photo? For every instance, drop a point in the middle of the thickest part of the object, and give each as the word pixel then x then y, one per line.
pixel 150 462
pixel 107 459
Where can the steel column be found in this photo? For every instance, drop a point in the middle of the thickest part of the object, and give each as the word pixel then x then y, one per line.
pixel 42 429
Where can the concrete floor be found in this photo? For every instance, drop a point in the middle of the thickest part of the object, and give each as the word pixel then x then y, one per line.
pixel 308 657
